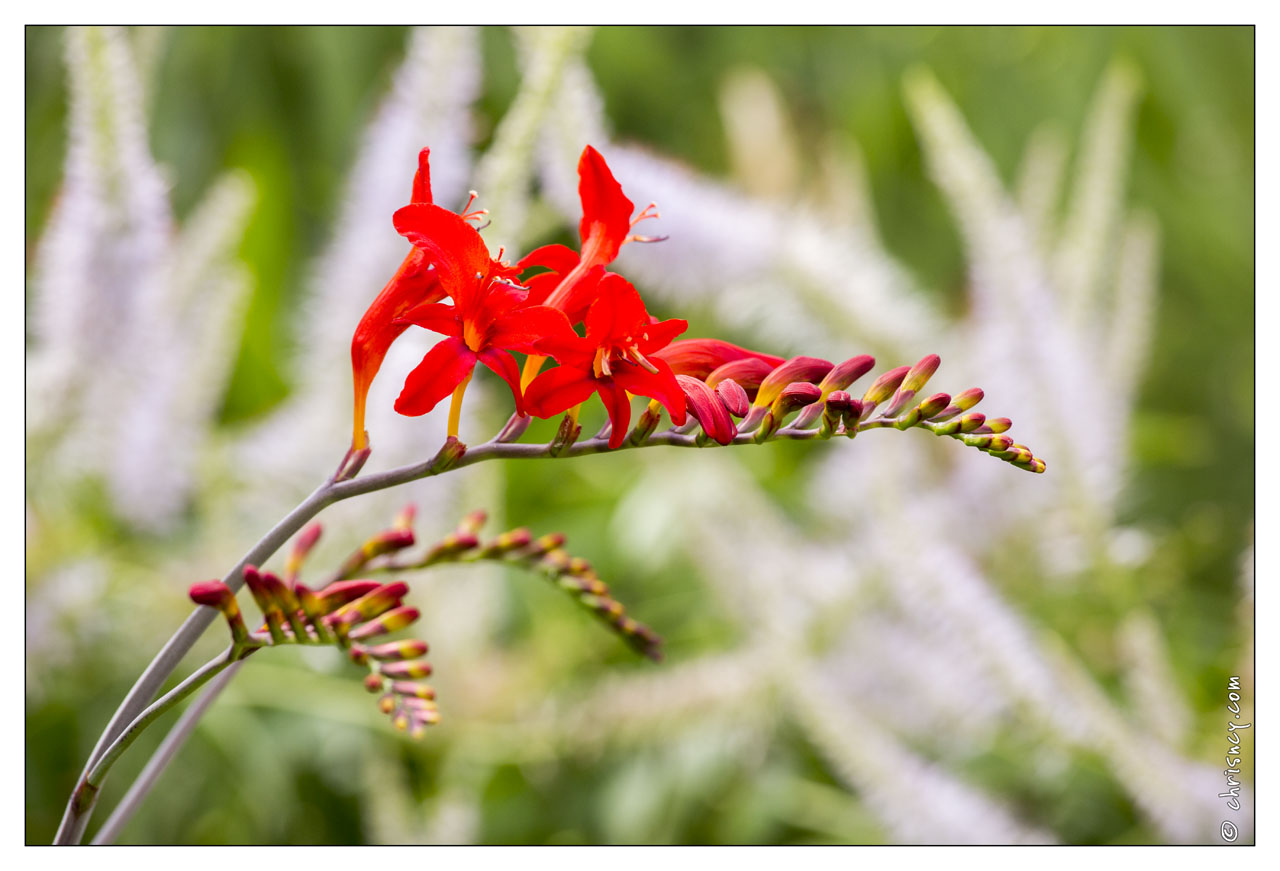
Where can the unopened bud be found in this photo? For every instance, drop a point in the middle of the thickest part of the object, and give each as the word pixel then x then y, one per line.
pixel 921 373
pixel 797 369
pixel 882 388
pixel 411 668
pixel 314 609
pixel 413 690
pixel 370 605
pixel 218 595
pixel 271 612
pixel 972 421
pixel 933 405
pixel 734 397
pixel 302 546
pixel 397 650
pixel 373 683
pixel 404 520
pixel 392 621
pixel 794 397
pixel 999 424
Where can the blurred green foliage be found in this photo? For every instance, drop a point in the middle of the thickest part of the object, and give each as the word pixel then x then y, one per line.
pixel 287 105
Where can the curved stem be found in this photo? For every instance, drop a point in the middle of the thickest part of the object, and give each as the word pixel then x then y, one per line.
pixel 164 753
pixel 75 818
pixel 80 805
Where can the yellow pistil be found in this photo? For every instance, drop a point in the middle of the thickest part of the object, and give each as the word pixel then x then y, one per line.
pixel 455 406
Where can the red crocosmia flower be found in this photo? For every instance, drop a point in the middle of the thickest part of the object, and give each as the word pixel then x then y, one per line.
pixel 698 358
pixel 414 283
pixel 605 226
pixel 572 284
pixel 489 319
pixel 611 361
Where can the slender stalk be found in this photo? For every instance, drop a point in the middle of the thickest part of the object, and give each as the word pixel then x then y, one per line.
pixel 83 799
pixel 86 792
pixel 160 759
pixel 75 818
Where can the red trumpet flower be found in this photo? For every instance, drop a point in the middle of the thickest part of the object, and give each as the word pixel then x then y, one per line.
pixel 612 361
pixel 572 283
pixel 490 316
pixel 415 282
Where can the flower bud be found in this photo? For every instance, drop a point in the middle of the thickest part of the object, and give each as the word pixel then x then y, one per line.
pixel 792 398
pixel 288 604
pixel 999 424
pixel 392 621
pixel 413 690
pixel 370 605
pixel 373 683
pixel 882 388
pixel 397 650
pixel 705 407
pixel 302 546
pixel 271 612
pixel 340 592
pixel 933 405
pixel 972 421
pixel 797 369
pixel 313 607
pixel 411 668
pixel 921 373
pixel 218 595
pixel 733 396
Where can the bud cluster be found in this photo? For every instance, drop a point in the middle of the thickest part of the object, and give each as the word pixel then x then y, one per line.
pixel 721 388
pixel 547 556
pixel 356 614
pixel 351 614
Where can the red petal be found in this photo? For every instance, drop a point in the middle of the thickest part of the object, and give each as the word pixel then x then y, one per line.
pixel 422 179
pixel 661 386
pixel 660 334
pixel 557 390
pixel 606 211
pixel 443 369
pixel 522 329
pixel 618 404
pixel 698 357
pixel 450 243
pixel 617 313
pixel 434 316
pixel 708 409
pixel 505 365
pixel 412 284
pixel 557 258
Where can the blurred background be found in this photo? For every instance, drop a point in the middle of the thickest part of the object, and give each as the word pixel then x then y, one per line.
pixel 894 640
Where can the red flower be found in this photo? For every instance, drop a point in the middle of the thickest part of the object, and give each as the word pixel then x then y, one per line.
pixel 611 361
pixel 490 315
pixel 415 282
pixel 572 283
